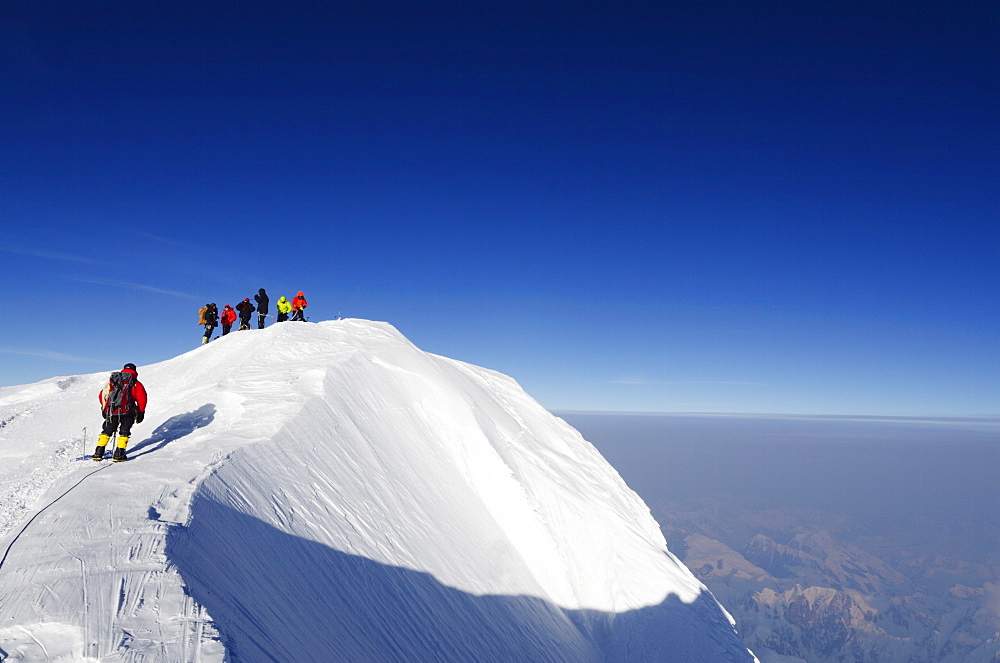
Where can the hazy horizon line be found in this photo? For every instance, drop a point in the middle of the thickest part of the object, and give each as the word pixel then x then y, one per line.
pixel 974 418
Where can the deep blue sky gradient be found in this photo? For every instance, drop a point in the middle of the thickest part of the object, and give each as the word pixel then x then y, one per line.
pixel 692 206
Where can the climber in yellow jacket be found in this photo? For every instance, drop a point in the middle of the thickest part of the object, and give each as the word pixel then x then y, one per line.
pixel 284 308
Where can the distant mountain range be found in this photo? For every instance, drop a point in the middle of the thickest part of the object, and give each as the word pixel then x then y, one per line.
pixel 801 593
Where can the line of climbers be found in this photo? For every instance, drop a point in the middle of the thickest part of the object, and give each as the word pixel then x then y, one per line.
pixel 209 316
pixel 123 399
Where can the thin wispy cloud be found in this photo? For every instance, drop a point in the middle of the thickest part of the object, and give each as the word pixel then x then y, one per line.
pixel 48 255
pixel 48 354
pixel 187 246
pixel 140 286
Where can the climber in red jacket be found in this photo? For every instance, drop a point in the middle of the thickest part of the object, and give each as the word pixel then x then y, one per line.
pixel 123 403
pixel 228 318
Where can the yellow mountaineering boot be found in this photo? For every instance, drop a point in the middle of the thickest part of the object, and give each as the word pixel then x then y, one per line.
pixel 120 449
pixel 102 442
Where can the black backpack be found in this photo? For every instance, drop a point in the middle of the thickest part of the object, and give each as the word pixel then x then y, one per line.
pixel 119 398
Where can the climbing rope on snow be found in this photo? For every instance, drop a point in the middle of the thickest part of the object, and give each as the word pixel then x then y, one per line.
pixel 42 510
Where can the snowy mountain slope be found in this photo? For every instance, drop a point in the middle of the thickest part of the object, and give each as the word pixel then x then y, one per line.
pixel 330 492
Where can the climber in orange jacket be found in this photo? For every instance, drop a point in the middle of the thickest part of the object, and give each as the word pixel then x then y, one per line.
pixel 299 305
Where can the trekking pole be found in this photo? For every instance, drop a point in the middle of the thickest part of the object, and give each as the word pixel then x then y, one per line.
pixel 84 440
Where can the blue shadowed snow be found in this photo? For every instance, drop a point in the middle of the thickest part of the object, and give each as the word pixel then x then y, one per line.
pixel 276 596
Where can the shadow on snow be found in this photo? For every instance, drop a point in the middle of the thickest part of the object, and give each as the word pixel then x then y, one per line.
pixel 175 428
pixel 275 596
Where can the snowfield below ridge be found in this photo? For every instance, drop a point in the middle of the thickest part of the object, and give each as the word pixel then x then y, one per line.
pixel 329 492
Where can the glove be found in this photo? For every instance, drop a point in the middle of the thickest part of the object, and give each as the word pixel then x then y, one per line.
pixel 139 417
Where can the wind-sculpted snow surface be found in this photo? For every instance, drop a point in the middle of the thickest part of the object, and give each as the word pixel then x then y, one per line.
pixel 329 492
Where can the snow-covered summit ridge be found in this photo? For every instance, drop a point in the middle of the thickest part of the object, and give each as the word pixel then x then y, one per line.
pixel 330 485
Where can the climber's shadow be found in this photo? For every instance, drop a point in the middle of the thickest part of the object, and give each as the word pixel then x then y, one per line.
pixel 175 428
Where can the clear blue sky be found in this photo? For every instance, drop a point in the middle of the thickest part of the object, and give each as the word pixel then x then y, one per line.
pixel 659 206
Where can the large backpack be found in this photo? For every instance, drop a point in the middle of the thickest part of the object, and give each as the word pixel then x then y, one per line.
pixel 118 396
